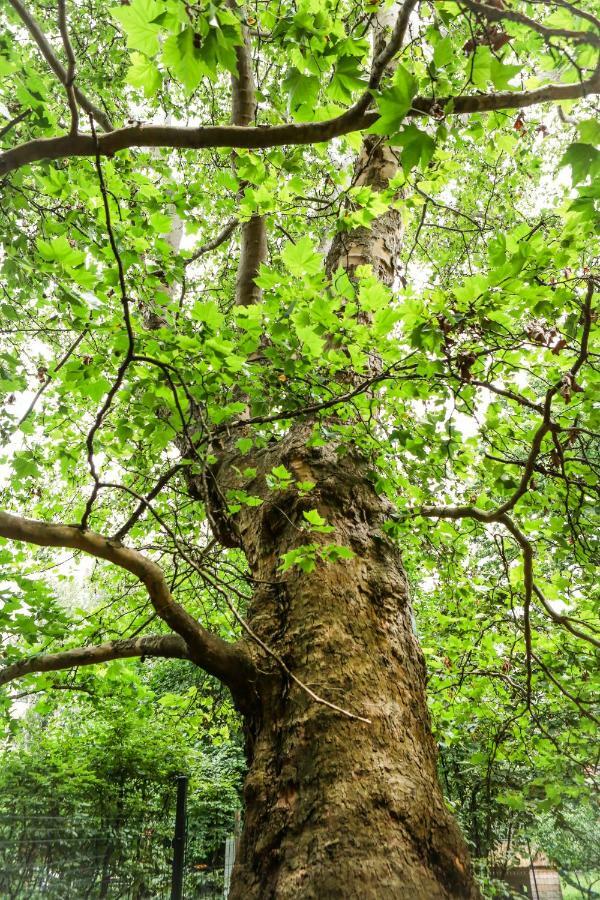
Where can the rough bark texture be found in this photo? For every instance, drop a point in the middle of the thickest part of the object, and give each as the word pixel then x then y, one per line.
pixel 336 807
pixel 379 245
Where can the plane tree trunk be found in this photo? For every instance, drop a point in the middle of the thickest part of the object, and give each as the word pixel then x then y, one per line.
pixel 336 807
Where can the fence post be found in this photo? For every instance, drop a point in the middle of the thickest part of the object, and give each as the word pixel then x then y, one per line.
pixel 179 838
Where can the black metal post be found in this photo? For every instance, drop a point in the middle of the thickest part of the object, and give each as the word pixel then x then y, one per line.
pixel 179 838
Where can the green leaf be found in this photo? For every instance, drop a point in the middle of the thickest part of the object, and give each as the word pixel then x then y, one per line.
pixel 419 147
pixel 589 131
pixel 333 553
pixel 502 73
pixel 137 21
pixel 60 250
pixel 281 472
pixel 208 312
pixel 301 258
pixel 305 487
pixel 305 557
pixel 184 59
pixel 244 444
pixel 443 53
pixel 346 80
pixel 479 67
pixel 279 479
pixel 301 89
pixel 161 222
pixel 395 102
pixel 317 522
pixel 311 341
pixel 512 800
pixel 583 158
pixel 143 73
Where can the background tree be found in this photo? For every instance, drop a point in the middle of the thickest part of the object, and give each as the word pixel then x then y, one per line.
pixel 267 438
pixel 87 785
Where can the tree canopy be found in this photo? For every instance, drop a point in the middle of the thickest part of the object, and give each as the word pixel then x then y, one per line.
pixel 462 363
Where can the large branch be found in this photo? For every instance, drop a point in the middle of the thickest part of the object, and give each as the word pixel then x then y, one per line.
pixel 384 55
pixel 253 243
pixel 354 119
pixel 230 663
pixel 57 67
pixel 168 646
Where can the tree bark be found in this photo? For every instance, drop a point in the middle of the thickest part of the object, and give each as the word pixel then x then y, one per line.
pixel 335 807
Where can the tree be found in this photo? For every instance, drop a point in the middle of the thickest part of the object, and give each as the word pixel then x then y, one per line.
pixel 87 785
pixel 269 440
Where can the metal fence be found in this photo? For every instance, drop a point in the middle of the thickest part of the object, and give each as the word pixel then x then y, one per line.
pixel 81 858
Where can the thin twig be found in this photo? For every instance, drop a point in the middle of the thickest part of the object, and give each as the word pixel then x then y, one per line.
pixel 222 236
pixel 48 380
pixel 130 342
pixel 6 128
pixel 56 66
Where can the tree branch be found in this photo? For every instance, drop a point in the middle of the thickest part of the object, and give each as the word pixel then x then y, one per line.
pixel 57 67
pixel 168 646
pixel 70 73
pixel 226 661
pixel 253 244
pixel 143 504
pixel 565 621
pixel 354 119
pixel 124 365
pixel 48 379
pixel 502 13
pixel 546 425
pixel 222 236
pixel 384 58
pixel 6 128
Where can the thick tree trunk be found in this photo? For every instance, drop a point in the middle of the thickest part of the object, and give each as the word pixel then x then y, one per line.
pixel 336 807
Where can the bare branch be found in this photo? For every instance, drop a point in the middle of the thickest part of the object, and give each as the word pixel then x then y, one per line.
pixel 169 646
pixel 228 662
pixel 510 395
pixel 143 504
pixel 266 648
pixel 317 407
pixel 565 621
pixel 565 692
pixel 384 58
pixel 546 426
pixel 57 67
pixel 124 365
pixel 576 11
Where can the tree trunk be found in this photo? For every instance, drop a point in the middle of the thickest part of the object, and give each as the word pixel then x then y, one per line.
pixel 336 807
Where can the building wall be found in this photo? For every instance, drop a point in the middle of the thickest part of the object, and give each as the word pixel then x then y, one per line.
pixel 540 883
